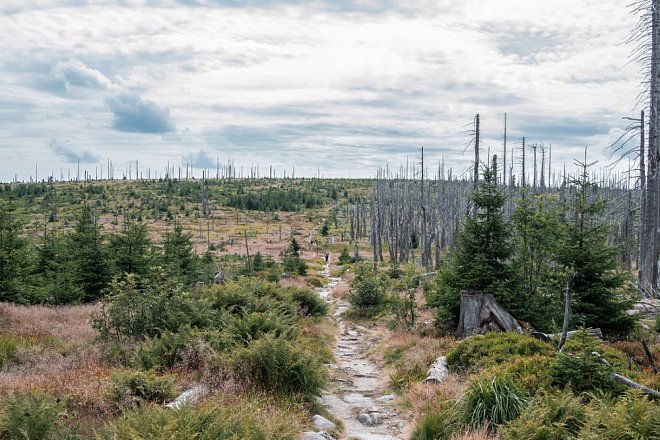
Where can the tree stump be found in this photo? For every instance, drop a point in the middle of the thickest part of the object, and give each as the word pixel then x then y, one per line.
pixel 480 313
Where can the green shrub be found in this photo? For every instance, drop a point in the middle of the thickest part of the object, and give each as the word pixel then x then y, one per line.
pixel 580 370
pixel 492 401
pixel 188 349
pixel 367 291
pixel 132 388
pixel 478 352
pixel 145 308
pixel 407 374
pixel 531 373
pixel 8 349
pixel 254 325
pixel 633 416
pixel 562 416
pixel 208 422
pixel 554 416
pixel 309 302
pixel 29 416
pixel 280 366
pixel 438 425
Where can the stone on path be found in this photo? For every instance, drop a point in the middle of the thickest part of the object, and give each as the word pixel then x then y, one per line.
pixel 322 423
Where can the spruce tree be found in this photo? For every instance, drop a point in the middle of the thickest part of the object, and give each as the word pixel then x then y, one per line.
pixel 131 250
pixel 92 272
pixel 481 258
pixel 13 256
pixel 178 255
pixel 597 300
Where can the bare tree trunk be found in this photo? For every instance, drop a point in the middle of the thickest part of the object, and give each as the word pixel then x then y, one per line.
pixel 567 310
pixel 648 274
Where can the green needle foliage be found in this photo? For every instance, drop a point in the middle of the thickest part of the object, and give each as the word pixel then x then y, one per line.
pixel 481 258
pixel 14 255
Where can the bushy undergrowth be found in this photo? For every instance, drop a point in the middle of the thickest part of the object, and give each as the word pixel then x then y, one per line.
pixel 524 389
pixel 492 402
pixel 368 291
pixel 581 370
pixel 562 415
pixel 479 352
pixel 132 388
pixel 29 416
pixel 252 326
pixel 208 422
pixel 277 365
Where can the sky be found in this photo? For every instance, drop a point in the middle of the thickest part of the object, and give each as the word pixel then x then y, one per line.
pixel 338 88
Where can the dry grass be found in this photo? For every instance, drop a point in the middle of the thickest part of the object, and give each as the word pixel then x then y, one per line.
pixel 413 347
pixel 341 290
pixel 71 324
pixel 58 354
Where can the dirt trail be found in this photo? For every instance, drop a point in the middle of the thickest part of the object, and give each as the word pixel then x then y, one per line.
pixel 356 394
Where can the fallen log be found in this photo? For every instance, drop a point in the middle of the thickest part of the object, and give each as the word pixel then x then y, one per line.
pixel 189 397
pixel 624 380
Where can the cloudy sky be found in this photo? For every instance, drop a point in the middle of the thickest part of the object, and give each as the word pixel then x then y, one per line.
pixel 340 86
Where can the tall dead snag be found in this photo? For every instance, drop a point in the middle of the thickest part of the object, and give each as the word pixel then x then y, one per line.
pixel 567 310
pixel 475 183
pixel 649 246
pixel 480 313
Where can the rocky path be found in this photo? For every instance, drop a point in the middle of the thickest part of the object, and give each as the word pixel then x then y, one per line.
pixel 356 396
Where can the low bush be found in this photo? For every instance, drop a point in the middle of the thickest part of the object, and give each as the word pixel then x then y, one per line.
pixel 531 373
pixel 438 425
pixel 478 352
pixel 633 416
pixel 407 374
pixel 561 415
pixel 188 349
pixel 280 366
pixel 29 416
pixel 145 308
pixel 254 325
pixel 578 368
pixel 208 422
pixel 309 302
pixel 368 291
pixel 489 402
pixel 553 416
pixel 132 388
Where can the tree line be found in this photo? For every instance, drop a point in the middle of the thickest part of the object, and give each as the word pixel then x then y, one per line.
pixel 77 266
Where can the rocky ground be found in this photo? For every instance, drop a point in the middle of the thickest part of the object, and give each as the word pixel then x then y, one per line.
pixel 356 396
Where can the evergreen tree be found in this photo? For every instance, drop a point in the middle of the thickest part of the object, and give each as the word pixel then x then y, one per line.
pixel 292 261
pixel 56 273
pixel 598 279
pixel 481 259
pixel 89 256
pixel 178 255
pixel 14 255
pixel 131 250
pixel 538 229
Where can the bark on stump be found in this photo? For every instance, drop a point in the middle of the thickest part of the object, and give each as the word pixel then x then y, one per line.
pixel 480 313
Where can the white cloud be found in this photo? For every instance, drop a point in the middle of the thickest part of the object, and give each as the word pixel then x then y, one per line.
pixel 347 85
pixel 75 73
